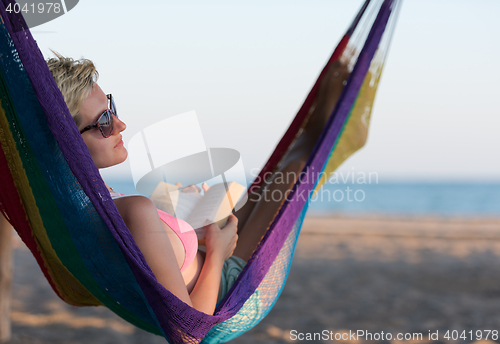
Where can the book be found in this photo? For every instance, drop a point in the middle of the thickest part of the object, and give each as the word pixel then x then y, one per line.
pixel 214 206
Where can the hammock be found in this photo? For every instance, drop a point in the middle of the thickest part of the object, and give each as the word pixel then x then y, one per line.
pixel 53 195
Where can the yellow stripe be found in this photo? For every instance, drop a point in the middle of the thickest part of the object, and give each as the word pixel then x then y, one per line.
pixel 355 131
pixel 67 285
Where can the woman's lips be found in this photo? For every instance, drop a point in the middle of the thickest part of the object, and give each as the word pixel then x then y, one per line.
pixel 119 144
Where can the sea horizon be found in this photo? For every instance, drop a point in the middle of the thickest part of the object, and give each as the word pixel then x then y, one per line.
pixel 395 198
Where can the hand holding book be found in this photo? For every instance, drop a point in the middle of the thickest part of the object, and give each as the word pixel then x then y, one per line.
pixel 193 188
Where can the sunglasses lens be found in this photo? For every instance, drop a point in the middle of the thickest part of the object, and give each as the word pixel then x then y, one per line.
pixel 106 124
pixel 112 105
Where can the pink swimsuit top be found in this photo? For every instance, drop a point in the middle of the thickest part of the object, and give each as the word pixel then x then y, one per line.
pixel 186 234
pixel 182 229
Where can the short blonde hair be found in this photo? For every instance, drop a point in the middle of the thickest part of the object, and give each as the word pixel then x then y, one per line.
pixel 75 79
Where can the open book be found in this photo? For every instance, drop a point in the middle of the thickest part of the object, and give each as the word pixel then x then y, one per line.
pixel 196 209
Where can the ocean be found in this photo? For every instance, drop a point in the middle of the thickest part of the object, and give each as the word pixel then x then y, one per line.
pixel 398 198
pixel 412 199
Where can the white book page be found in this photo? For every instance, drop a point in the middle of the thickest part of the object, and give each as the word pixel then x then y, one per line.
pixel 215 198
pixel 184 203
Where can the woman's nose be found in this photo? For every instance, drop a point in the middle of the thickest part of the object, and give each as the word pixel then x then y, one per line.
pixel 119 124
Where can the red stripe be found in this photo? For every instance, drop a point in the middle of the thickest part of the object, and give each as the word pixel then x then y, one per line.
pixel 13 210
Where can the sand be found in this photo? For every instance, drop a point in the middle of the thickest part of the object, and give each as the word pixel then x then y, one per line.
pixel 397 275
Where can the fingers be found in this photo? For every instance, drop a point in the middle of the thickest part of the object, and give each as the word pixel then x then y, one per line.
pixel 232 219
pixel 191 188
pixel 232 227
pixel 211 226
pixel 205 187
pixel 194 188
pixel 222 241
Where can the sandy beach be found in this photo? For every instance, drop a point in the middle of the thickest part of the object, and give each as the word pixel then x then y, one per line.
pixel 397 275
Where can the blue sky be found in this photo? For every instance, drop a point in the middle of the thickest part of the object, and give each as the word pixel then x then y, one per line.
pixel 246 67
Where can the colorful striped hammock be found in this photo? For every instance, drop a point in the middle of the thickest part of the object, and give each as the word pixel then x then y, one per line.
pixel 53 195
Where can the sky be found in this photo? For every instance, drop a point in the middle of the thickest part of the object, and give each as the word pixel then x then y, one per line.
pixel 246 67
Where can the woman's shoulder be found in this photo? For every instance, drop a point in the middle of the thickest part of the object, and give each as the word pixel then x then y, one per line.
pixel 134 200
pixel 134 205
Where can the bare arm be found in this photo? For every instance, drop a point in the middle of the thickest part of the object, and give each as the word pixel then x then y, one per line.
pixel 220 246
pixel 149 233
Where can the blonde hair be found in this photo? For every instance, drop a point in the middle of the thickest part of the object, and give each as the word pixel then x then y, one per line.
pixel 75 79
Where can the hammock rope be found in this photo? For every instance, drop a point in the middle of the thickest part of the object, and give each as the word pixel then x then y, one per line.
pixel 54 197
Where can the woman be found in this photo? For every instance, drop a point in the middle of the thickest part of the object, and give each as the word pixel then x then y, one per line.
pixel 196 277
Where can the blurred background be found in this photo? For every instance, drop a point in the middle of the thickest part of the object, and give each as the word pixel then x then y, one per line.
pixel 415 246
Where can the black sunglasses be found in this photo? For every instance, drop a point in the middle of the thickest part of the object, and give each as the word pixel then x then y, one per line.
pixel 105 122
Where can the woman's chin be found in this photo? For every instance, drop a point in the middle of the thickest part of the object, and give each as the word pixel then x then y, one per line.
pixel 121 155
pixel 125 154
pixel 113 162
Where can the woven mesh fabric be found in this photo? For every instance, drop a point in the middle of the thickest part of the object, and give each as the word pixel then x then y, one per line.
pixel 78 236
pixel 266 295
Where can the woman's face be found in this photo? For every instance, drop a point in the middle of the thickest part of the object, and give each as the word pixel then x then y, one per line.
pixel 108 151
